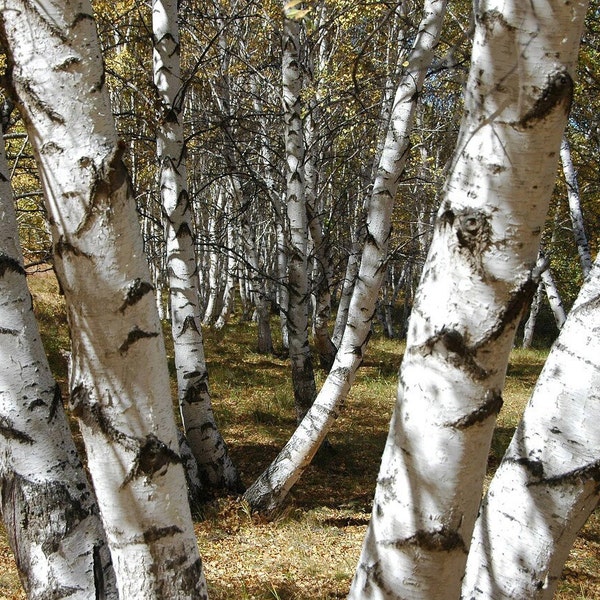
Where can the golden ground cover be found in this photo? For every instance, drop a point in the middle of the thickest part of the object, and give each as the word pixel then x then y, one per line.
pixel 311 549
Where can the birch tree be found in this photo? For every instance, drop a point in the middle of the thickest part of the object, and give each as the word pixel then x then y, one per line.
pixel 583 248
pixel 303 378
pixel 119 379
pixel 478 278
pixel 49 511
pixel 547 484
pixel 270 489
pixel 207 445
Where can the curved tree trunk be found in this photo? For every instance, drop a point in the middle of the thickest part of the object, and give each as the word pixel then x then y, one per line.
pixel 268 492
pixel 547 484
pixel 119 381
pixel 476 283
pixel 49 511
pixel 217 471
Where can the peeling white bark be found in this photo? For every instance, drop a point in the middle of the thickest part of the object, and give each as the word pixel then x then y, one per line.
pixel 547 484
pixel 476 282
pixel 119 381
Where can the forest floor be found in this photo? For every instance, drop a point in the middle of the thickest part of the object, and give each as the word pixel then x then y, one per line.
pixel 311 549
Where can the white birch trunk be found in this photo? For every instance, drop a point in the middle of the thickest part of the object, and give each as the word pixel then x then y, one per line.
pixel 49 511
pixel 547 484
pixel 268 492
pixel 583 247
pixel 476 283
pixel 215 466
pixel 119 381
pixel 533 313
pixel 554 299
pixel 303 379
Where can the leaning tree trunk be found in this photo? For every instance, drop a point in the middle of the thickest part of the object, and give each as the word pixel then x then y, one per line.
pixel 270 489
pixel 477 280
pixel 547 484
pixel 49 511
pixel 119 381
pixel 303 378
pixel 217 471
pixel 583 247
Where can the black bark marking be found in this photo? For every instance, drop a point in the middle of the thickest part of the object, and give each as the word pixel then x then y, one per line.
pixel 108 178
pixel 136 291
pixel 587 472
pixel 490 17
pixel 491 406
pixel 473 231
pixel 189 323
pixel 535 467
pixel 154 534
pixel 153 456
pixel 439 540
pixel 63 246
pixel 558 92
pixel 7 331
pixel 56 403
pixel 92 415
pixel 30 507
pixel 197 392
pixel 9 432
pixel 517 303
pixel 134 336
pixel 461 355
pixel 8 264
pixel 184 231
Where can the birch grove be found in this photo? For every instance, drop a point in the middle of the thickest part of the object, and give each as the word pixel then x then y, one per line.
pixel 477 281
pixel 119 380
pixel 249 167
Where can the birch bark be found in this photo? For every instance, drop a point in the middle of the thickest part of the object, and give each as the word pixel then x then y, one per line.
pixel 119 381
pixel 583 247
pixel 547 484
pixel 303 378
pixel 61 551
pixel 477 280
pixel 217 471
pixel 268 492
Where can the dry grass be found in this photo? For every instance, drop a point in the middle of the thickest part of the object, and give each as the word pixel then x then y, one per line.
pixel 311 550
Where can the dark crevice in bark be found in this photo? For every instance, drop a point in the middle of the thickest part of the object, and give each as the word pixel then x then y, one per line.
pixel 440 540
pixel 197 392
pixel 557 92
pixel 535 467
pixel 590 471
pixel 8 264
pixel 134 336
pixel 152 456
pixel 189 323
pixel 154 534
pixel 461 354
pixel 490 407
pixel 56 403
pixel 63 246
pixel 9 432
pixel 6 331
pixel 135 292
